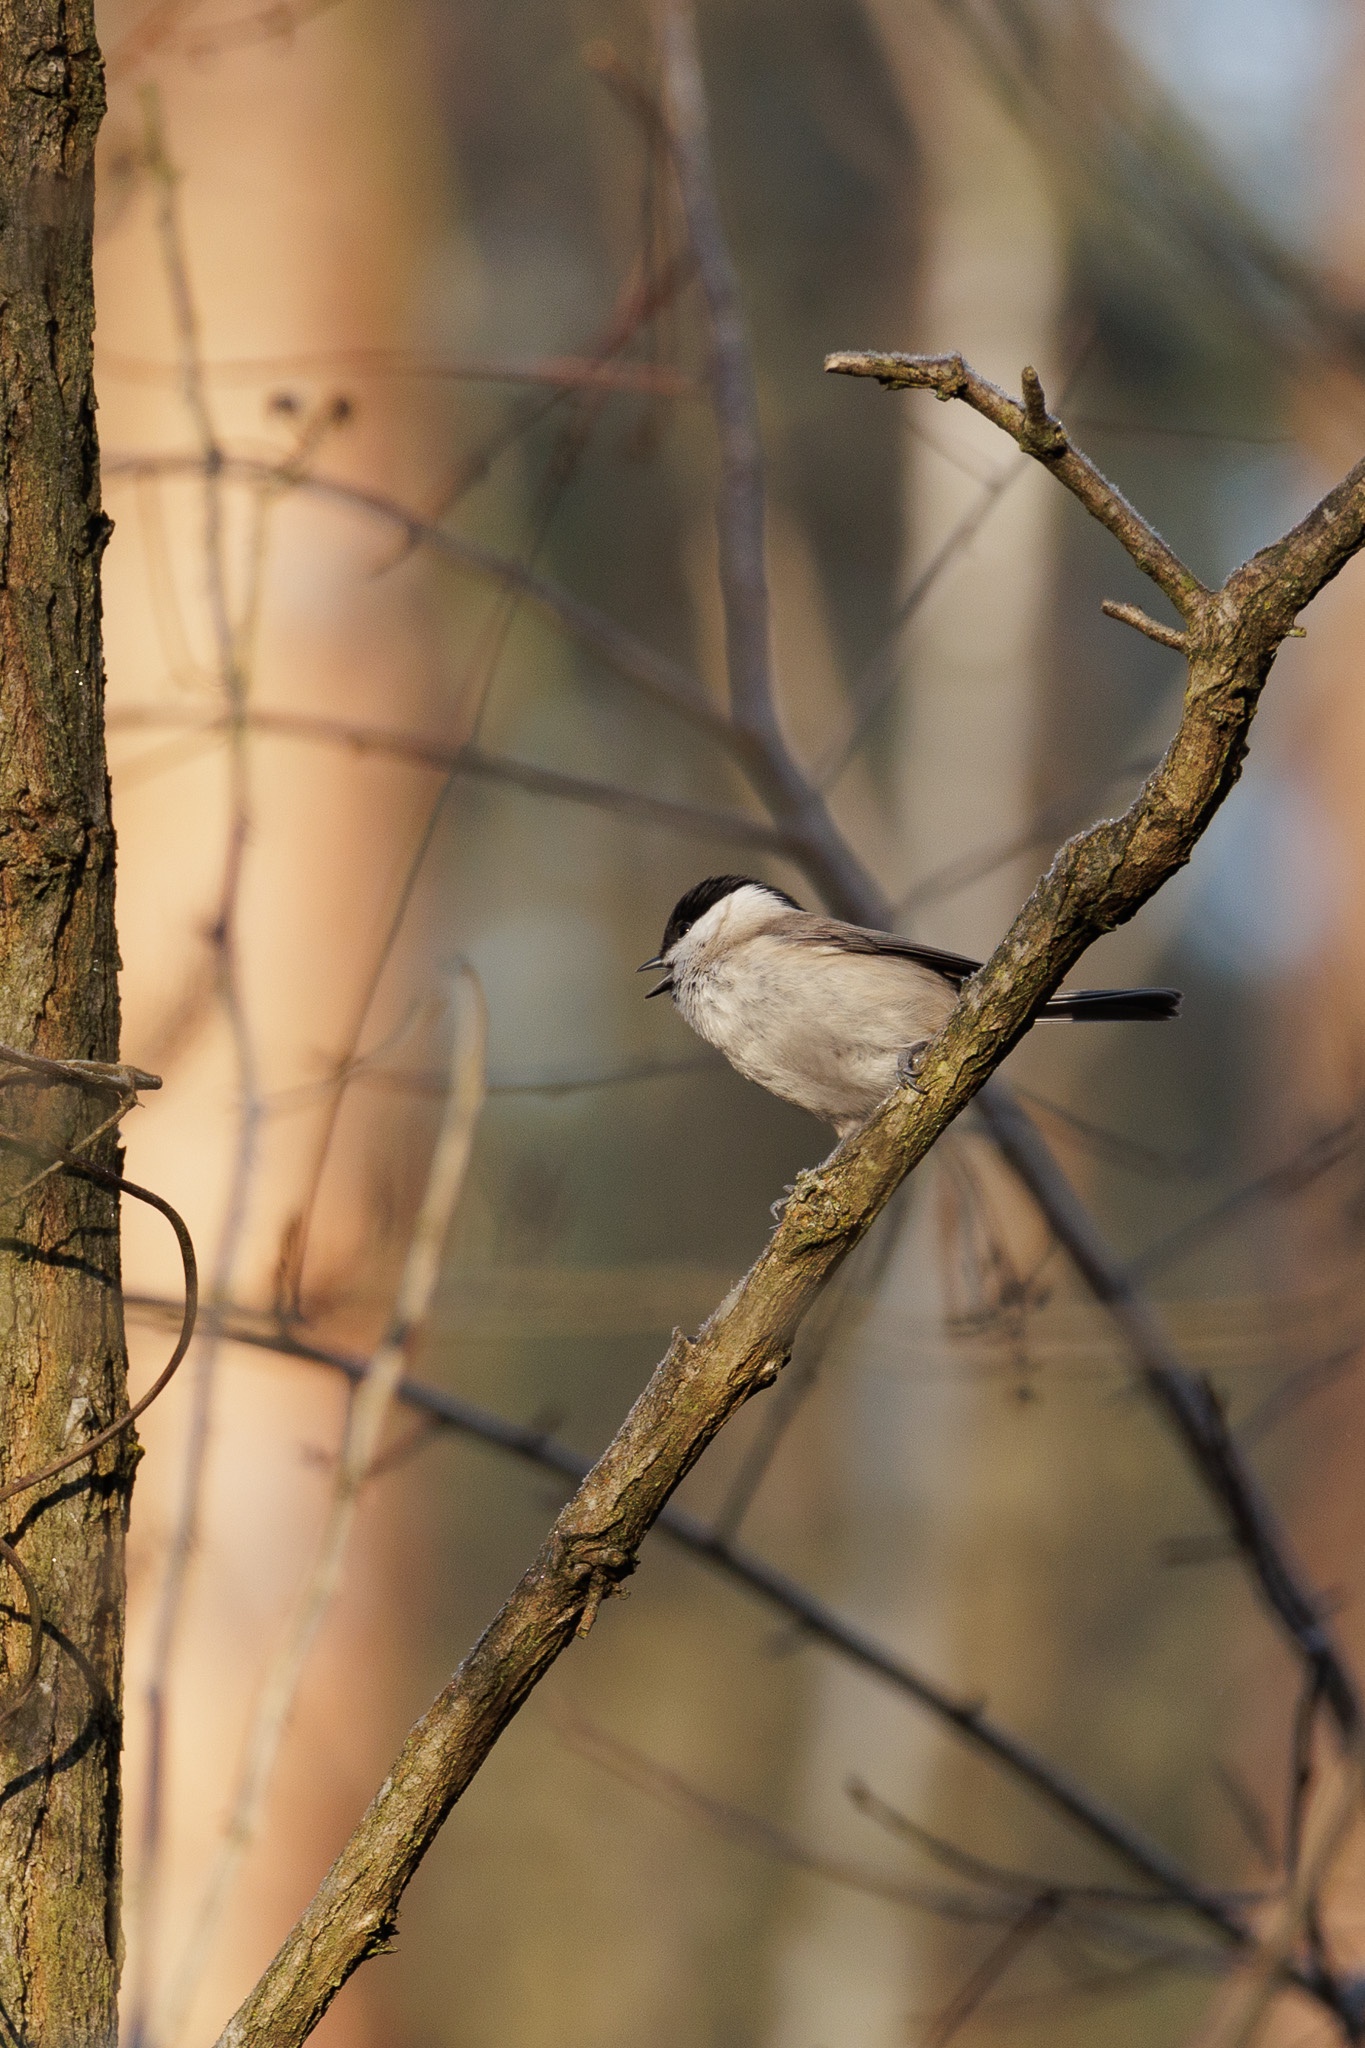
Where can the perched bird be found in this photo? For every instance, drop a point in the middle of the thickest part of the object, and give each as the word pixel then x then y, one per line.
pixel 825 1014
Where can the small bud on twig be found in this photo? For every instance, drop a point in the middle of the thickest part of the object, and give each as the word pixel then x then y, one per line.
pixel 1043 435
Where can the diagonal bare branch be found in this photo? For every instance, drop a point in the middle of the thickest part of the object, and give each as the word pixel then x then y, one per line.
pixel 1099 879
pixel 1033 427
pixel 1233 637
pixel 1189 1403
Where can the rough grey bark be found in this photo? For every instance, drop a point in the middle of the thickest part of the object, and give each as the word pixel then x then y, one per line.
pixel 62 1370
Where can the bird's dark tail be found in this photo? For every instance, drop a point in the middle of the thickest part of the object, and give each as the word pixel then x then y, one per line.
pixel 1114 1005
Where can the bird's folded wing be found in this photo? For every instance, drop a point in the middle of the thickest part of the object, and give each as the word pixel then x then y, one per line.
pixel 852 938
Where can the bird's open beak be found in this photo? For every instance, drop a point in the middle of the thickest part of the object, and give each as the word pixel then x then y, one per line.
pixel 664 985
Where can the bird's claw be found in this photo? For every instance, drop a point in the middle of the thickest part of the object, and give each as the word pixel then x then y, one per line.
pixel 908 1063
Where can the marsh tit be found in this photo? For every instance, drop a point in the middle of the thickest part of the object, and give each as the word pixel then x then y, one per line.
pixel 825 1014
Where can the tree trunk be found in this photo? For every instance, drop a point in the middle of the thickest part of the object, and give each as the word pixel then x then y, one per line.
pixel 62 1369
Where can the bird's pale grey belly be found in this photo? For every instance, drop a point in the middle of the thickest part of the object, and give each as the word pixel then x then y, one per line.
pixel 821 1029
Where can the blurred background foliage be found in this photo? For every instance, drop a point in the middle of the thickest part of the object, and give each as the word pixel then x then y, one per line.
pixel 386 221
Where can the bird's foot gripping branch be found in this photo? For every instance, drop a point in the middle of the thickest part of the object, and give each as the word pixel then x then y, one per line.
pixel 1099 879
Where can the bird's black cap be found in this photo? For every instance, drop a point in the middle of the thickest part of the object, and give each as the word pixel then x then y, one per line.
pixel 705 896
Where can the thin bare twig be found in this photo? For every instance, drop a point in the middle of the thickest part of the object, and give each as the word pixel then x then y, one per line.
pixel 1043 826
pixel 764 1837
pixel 82 1144
pixel 365 1073
pixel 99 1075
pixel 559 373
pixel 988 1972
pixel 1251 1815
pixel 1152 1161
pixel 102 1177
pixel 369 1409
pixel 1317 1156
pixel 740 503
pixel 1301 1769
pixel 1242 2007
pixel 1040 435
pixel 693 821
pixel 232 657
pixel 1300 1386
pixel 1020 1884
pixel 1099 1919
pixel 1189 1403
pixel 84 1169
pixel 872 689
pixel 1134 616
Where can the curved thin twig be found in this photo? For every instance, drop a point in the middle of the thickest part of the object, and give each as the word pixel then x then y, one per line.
pixel 35 1631
pixel 104 1178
